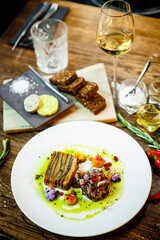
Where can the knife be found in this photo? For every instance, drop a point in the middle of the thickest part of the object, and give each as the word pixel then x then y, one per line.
pixel 35 17
pixel 49 85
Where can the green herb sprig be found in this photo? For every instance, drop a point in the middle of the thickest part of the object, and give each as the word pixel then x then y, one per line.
pixel 144 135
pixel 5 150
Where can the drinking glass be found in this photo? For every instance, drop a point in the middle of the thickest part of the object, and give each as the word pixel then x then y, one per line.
pixel 115 33
pixel 148 115
pixel 131 102
pixel 50 40
pixel 154 91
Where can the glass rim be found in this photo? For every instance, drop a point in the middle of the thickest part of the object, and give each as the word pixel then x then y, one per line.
pixel 133 81
pixel 126 13
pixel 146 104
pixel 49 20
pixel 152 84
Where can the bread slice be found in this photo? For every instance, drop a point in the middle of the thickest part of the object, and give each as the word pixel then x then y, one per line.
pixel 73 87
pixel 95 104
pixel 32 103
pixel 61 170
pixel 64 77
pixel 89 89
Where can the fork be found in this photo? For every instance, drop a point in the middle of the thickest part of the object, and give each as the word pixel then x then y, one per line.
pixel 133 91
pixel 52 9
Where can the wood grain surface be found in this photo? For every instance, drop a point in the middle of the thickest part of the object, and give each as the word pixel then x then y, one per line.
pixel 83 51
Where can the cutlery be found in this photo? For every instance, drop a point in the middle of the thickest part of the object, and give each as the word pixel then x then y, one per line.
pixel 36 16
pixel 133 91
pixel 49 85
pixel 53 8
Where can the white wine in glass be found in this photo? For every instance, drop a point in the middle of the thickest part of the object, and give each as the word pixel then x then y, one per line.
pixel 115 33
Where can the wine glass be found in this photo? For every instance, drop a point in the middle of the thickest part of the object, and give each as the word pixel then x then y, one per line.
pixel 115 33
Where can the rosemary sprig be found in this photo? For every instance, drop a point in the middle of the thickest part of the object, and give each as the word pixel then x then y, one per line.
pixel 144 135
pixel 5 150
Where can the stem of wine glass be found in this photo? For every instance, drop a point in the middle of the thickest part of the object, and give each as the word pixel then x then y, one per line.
pixel 114 83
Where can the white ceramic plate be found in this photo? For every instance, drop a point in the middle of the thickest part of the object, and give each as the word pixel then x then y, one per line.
pixel 137 175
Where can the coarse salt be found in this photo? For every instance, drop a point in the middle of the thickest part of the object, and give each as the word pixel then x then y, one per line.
pixel 131 99
pixel 20 85
pixel 131 102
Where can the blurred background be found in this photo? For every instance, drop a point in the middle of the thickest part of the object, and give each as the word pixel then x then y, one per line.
pixel 9 10
pixel 13 7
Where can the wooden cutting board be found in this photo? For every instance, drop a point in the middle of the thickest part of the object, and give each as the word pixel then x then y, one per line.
pixel 13 122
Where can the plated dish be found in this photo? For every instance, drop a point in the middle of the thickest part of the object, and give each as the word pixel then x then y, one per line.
pixel 137 177
pixel 77 182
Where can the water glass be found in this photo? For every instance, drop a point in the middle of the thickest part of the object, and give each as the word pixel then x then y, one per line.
pixel 131 102
pixel 50 40
pixel 154 91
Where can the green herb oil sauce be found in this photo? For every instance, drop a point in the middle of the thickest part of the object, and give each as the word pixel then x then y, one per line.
pixel 84 208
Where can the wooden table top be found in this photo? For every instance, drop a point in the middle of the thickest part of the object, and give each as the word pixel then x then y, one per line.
pixel 83 51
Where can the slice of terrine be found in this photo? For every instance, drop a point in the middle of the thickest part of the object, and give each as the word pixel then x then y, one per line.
pixel 61 170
